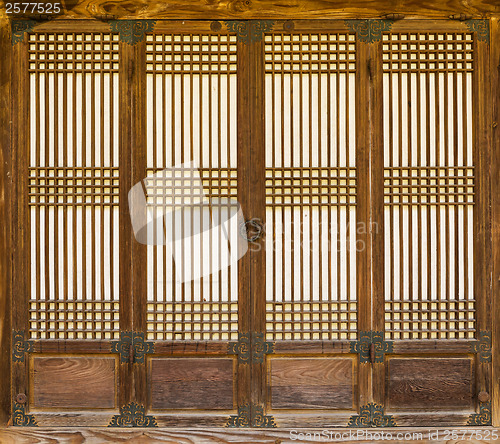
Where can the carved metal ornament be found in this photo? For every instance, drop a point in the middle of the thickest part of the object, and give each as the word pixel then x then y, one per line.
pixel 132 31
pixel 363 346
pixel 133 415
pixel 19 28
pixel 483 346
pixel 250 416
pixel 20 346
pixel 369 31
pixel 132 342
pixel 249 31
pixel 371 415
pixel 251 347
pixel 483 418
pixel 481 28
pixel 20 418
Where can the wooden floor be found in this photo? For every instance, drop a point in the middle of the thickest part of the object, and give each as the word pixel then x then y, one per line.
pixel 221 436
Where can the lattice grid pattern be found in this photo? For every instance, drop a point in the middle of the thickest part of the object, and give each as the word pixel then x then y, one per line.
pixel 429 185
pixel 310 186
pixel 73 182
pixel 191 96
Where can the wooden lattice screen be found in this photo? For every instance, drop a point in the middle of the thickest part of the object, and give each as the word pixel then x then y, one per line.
pixel 362 148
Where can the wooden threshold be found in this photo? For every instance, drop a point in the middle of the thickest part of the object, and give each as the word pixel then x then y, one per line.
pixel 21 435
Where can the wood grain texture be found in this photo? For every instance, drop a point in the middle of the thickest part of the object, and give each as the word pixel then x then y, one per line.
pixel 495 208
pixel 191 383
pixel 410 387
pixel 5 232
pixel 312 383
pixel 74 382
pixel 255 9
pixel 205 436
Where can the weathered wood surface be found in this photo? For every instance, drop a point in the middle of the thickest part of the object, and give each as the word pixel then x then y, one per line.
pixel 255 9
pixel 220 436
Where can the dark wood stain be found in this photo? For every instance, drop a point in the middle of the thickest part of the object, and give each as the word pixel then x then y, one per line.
pixel 430 383
pixel 312 383
pixel 72 382
pixel 191 383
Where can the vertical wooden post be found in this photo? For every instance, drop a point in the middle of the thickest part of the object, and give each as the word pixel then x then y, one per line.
pixel 5 225
pixel 495 212
pixel 138 173
pixel 257 191
pixel 482 235
pixel 244 199
pixel 125 120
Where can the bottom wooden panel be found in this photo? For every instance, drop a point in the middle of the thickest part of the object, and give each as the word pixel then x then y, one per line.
pixel 192 383
pixel 73 382
pixel 221 436
pixel 312 383
pixel 430 383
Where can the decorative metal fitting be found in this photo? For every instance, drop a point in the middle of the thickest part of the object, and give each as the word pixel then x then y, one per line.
pixel 289 25
pixel 371 415
pixel 256 225
pixel 483 346
pixel 20 418
pixel 132 347
pixel 371 346
pixel 132 31
pixel 251 347
pixel 481 28
pixel 483 418
pixel 249 31
pixel 369 31
pixel 133 415
pixel 250 415
pixel 20 346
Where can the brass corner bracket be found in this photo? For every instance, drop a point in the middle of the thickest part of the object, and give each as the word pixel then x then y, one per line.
pixel 20 418
pixel 250 415
pixel 133 415
pixel 249 31
pixel 369 31
pixel 20 346
pixel 19 28
pixel 481 28
pixel 132 347
pixel 483 346
pixel 483 418
pixel 371 346
pixel 132 31
pixel 371 415
pixel 250 348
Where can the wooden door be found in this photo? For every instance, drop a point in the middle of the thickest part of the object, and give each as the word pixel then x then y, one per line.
pixel 361 147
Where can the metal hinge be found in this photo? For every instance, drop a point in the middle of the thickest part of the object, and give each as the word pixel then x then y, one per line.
pixel 251 347
pixel 132 347
pixel 371 346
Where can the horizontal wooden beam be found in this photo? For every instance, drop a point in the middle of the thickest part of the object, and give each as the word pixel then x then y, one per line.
pixel 144 436
pixel 271 9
